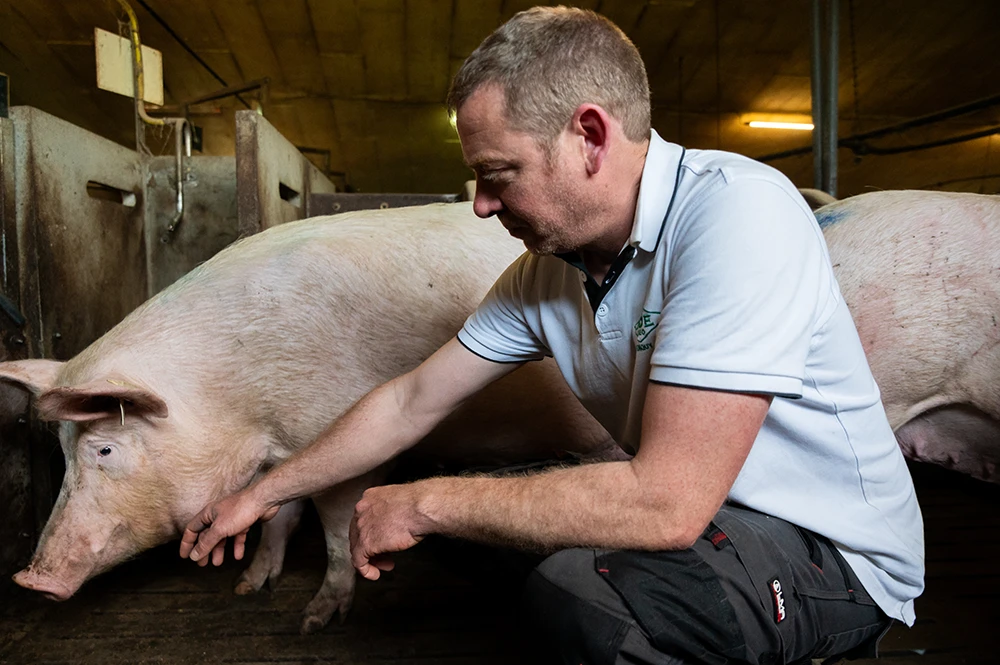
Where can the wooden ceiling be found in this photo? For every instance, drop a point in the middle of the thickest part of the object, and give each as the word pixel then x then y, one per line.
pixel 365 80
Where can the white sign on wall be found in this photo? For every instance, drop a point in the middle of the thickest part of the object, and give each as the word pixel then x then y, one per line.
pixel 114 67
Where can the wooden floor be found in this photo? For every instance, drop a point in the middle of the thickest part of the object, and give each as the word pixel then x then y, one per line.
pixel 447 603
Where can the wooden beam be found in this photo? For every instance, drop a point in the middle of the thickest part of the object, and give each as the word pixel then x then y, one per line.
pixel 623 13
pixel 336 26
pixel 38 76
pixel 290 31
pixel 247 39
pixel 473 21
pixel 428 33
pixel 344 73
pixel 383 43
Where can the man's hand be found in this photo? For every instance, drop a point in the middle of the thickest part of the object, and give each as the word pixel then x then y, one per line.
pixel 386 519
pixel 232 517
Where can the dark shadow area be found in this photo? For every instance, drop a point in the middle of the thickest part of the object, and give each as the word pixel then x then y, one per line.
pixel 446 602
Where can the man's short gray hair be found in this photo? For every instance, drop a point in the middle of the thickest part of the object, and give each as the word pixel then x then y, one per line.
pixel 548 61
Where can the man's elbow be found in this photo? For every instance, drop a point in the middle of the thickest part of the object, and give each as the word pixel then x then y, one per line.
pixel 683 536
pixel 672 532
pixel 688 535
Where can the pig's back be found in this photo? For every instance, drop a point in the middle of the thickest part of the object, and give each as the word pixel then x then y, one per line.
pixel 310 312
pixel 920 272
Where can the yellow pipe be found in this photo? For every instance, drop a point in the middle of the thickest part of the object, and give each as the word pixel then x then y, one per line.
pixel 178 123
pixel 140 89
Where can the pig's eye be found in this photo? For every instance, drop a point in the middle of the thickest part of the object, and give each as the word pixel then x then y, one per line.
pixel 105 451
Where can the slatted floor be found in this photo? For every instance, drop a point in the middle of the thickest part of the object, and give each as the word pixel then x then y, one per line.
pixel 447 603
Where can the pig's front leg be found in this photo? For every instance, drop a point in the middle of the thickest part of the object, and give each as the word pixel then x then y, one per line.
pixel 336 508
pixel 269 557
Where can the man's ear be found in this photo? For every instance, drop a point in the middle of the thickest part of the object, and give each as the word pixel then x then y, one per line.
pixel 102 398
pixel 593 124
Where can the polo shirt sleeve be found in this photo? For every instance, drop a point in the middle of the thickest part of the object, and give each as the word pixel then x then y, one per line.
pixel 745 283
pixel 498 329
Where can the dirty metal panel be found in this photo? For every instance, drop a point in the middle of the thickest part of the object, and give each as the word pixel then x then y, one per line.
pixel 80 224
pixel 81 252
pixel 8 221
pixel 18 522
pixel 17 527
pixel 274 180
pixel 209 222
pixel 331 204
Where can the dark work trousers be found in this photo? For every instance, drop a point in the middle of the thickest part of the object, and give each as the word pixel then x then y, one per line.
pixel 753 589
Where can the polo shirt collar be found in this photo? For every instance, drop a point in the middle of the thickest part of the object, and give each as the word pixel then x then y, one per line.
pixel 656 191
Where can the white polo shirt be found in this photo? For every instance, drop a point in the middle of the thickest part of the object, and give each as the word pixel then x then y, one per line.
pixel 730 288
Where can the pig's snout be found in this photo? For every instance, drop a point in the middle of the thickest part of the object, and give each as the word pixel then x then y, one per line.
pixel 49 587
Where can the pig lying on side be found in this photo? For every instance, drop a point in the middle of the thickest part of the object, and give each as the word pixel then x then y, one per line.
pixel 251 356
pixel 920 272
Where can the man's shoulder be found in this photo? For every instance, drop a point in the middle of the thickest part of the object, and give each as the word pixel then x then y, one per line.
pixel 718 168
pixel 709 173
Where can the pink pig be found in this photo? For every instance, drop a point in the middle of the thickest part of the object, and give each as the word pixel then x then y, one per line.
pixel 251 356
pixel 920 272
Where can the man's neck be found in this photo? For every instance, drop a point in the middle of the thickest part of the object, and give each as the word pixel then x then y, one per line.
pixel 598 260
pixel 598 255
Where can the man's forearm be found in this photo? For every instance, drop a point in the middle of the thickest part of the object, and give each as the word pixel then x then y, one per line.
pixel 370 433
pixel 596 505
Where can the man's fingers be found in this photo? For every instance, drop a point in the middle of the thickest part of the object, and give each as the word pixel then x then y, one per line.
pixel 368 572
pixel 239 545
pixel 187 542
pixel 383 562
pixel 219 552
pixel 206 542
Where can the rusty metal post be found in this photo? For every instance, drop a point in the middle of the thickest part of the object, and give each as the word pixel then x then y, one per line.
pixel 18 524
pixel 816 81
pixel 273 179
pixel 824 74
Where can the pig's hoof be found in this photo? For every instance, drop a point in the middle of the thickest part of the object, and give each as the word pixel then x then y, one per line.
pixel 252 582
pixel 319 612
pixel 312 624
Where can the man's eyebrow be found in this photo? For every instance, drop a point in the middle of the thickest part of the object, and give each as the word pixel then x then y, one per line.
pixel 487 164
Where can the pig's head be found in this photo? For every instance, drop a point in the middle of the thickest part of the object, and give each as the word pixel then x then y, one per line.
pixel 116 498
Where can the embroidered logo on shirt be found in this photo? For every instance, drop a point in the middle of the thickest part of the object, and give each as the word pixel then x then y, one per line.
pixel 643 328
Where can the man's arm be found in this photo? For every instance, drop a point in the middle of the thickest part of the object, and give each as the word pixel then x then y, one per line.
pixel 694 443
pixel 385 422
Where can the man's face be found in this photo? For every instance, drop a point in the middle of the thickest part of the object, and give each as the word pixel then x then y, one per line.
pixel 536 194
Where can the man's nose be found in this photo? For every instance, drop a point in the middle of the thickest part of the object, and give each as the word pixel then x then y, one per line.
pixel 486 204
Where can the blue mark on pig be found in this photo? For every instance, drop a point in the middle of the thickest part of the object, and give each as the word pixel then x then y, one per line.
pixel 826 217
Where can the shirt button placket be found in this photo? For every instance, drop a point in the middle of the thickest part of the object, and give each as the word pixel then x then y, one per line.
pixel 601 318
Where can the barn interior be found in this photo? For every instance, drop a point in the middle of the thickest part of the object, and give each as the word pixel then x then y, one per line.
pixel 312 107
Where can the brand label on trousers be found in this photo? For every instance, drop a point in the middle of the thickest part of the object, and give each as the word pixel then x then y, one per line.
pixel 779 600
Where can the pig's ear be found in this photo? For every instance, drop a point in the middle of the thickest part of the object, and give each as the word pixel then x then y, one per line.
pixel 36 376
pixel 98 399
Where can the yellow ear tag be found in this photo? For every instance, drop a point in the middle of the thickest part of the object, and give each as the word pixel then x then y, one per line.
pixel 121 404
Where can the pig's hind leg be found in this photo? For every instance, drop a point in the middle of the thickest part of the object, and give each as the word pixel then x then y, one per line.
pixel 336 508
pixel 269 558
